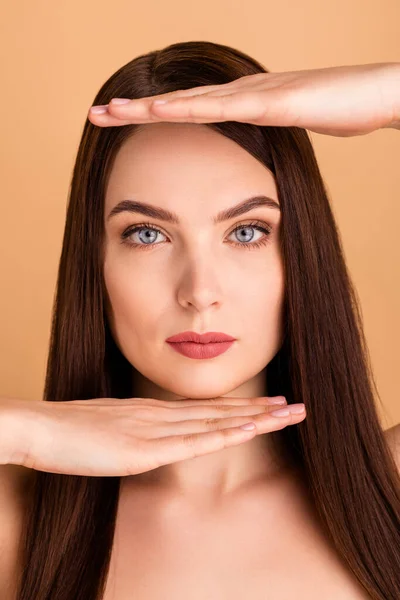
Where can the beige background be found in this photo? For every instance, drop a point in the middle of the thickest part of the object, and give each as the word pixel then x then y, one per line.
pixel 54 58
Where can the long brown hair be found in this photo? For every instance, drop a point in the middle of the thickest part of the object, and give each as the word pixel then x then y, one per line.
pixel 340 447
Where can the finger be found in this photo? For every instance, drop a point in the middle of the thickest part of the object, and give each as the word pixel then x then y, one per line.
pixel 223 401
pixel 202 108
pixel 221 88
pixel 244 107
pixel 138 115
pixel 107 120
pixel 240 82
pixel 170 449
pixel 253 80
pixel 167 450
pixel 139 109
pixel 175 415
pixel 264 420
pixel 261 108
pixel 137 401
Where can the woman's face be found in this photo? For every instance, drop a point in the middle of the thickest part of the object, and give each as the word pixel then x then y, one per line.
pixel 196 274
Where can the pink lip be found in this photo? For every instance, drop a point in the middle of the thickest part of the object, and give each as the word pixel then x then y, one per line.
pixel 205 338
pixel 200 351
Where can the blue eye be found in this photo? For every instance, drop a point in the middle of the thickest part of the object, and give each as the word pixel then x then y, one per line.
pixel 257 225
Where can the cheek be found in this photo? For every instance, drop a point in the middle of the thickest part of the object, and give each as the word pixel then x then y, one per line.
pixel 261 303
pixel 133 299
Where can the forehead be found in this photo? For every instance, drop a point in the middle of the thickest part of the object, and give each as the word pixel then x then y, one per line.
pixel 170 164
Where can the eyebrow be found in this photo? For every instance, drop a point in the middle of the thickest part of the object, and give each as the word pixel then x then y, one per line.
pixel 156 212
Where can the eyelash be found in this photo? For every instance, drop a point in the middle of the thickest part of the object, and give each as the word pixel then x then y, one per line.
pixel 259 225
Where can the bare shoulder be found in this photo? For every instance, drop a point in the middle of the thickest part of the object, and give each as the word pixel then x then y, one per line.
pixel 14 483
pixel 392 436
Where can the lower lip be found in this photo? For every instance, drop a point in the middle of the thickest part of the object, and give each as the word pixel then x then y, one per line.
pixel 195 350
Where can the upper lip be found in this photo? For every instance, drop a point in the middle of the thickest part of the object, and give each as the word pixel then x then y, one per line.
pixel 205 338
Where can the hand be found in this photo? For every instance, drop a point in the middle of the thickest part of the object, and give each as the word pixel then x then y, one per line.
pixel 114 437
pixel 340 101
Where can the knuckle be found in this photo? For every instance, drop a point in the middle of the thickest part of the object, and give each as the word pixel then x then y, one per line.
pixel 224 408
pixel 214 402
pixel 212 423
pixel 256 400
pixel 189 440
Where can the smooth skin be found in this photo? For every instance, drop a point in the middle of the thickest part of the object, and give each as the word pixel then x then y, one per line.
pixel 340 101
pixel 120 437
pixel 165 165
pixel 294 559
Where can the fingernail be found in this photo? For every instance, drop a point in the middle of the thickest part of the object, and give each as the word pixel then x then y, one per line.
pixel 120 100
pixel 282 412
pixel 285 412
pixel 296 409
pixel 98 109
pixel 277 400
pixel 160 101
pixel 248 426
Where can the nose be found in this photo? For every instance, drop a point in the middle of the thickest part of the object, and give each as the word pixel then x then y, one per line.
pixel 199 286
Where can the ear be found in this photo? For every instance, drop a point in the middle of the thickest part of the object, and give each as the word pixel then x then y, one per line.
pixel 392 436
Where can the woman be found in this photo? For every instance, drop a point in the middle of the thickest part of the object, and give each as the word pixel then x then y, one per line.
pixel 310 510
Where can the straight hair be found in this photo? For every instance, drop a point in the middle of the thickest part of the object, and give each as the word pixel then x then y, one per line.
pixel 340 448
